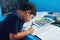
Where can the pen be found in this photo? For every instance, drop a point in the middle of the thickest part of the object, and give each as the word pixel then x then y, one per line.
pixel 32 24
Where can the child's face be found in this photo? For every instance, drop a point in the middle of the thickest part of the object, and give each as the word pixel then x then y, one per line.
pixel 27 16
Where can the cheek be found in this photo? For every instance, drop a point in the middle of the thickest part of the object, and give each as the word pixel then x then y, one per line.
pixel 28 18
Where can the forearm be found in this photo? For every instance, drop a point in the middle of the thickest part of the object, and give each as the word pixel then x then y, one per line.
pixel 22 34
pixel 19 35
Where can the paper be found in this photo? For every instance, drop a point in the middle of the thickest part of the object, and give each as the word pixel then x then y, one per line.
pixel 49 32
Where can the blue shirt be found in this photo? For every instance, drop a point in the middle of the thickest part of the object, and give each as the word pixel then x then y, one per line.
pixel 12 24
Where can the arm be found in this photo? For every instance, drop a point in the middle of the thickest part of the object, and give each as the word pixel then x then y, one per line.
pixel 20 34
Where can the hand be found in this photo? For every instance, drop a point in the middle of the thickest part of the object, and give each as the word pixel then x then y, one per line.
pixel 30 30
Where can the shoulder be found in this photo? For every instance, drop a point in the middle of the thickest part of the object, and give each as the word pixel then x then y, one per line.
pixel 10 18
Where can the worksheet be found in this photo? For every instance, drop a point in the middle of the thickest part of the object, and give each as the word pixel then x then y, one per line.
pixel 50 32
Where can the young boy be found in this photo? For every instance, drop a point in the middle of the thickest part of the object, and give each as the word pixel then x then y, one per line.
pixel 12 25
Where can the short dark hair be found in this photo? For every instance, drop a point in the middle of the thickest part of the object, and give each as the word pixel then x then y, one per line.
pixel 28 6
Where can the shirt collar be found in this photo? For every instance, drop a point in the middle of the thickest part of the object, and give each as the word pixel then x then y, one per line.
pixel 15 14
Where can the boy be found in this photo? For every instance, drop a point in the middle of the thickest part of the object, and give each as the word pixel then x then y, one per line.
pixel 12 25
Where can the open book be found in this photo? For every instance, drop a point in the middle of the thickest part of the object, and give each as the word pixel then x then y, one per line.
pixel 43 21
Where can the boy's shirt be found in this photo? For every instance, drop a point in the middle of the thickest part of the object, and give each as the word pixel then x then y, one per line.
pixel 12 24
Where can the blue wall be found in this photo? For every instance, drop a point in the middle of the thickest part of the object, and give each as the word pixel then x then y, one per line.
pixel 1 17
pixel 47 5
pixel 0 11
pixel 42 5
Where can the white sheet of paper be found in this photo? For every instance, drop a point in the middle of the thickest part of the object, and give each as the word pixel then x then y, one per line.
pixel 49 32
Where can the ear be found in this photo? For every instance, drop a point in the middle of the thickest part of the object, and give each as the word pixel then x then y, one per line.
pixel 28 12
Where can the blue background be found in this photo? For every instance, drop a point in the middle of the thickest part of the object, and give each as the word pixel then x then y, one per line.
pixel 42 5
pixel 47 5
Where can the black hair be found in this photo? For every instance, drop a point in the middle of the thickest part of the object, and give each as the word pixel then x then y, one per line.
pixel 28 6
